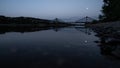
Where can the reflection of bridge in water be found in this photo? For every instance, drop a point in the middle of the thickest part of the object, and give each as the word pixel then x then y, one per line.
pixel 78 28
pixel 84 30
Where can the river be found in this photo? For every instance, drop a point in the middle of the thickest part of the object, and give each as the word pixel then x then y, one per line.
pixel 68 47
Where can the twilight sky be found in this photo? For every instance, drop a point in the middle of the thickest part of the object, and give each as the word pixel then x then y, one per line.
pixel 50 9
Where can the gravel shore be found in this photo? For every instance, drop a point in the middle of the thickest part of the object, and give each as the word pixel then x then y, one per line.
pixel 109 34
pixel 108 29
pixel 115 25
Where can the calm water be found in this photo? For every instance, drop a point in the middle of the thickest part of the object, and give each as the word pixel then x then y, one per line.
pixel 55 48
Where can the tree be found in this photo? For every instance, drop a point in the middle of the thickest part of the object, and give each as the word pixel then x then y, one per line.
pixel 111 10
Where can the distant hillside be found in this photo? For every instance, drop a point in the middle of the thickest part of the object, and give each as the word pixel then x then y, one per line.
pixel 21 20
pixel 29 22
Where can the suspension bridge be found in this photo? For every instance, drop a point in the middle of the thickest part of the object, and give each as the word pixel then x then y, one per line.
pixel 81 21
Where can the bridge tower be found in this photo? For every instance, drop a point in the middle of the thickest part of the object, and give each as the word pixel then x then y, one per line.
pixel 85 20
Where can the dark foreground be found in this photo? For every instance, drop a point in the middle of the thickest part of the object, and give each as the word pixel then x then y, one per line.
pixel 71 47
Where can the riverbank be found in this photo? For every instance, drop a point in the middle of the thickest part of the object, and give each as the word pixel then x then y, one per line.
pixel 107 29
pixel 115 25
pixel 109 37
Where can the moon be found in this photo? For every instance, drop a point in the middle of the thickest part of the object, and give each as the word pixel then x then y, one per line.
pixel 87 8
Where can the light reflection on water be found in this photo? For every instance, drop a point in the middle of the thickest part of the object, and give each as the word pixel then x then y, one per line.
pixel 71 47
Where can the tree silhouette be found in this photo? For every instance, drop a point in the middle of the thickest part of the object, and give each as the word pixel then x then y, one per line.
pixel 111 10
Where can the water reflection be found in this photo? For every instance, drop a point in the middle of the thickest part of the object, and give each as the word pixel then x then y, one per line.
pixel 109 45
pixel 53 47
pixel 83 29
pixel 4 30
pixel 110 48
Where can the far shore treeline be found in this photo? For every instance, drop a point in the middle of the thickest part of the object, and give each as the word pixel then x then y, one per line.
pixel 21 20
pixel 29 21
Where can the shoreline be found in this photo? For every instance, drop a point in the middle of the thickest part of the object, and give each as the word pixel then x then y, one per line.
pixel 108 30
pixel 115 25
